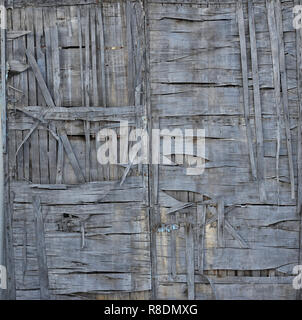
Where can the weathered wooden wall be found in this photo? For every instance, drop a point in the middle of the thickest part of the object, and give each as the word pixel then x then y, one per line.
pixel 230 67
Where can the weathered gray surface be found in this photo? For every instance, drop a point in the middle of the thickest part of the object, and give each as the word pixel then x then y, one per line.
pixel 76 231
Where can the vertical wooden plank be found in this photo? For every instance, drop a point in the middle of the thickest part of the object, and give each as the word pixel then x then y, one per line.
pixel 41 249
pixel 68 42
pixel 257 104
pixel 3 87
pixel 220 223
pixel 284 85
pixel 55 59
pixel 190 259
pixel 245 87
pixel 299 139
pixel 52 143
pixel 56 84
pixel 276 73
pixel 11 133
pixel 130 47
pixel 24 88
pixel 95 95
pixel 87 93
pixel 80 38
pixel 60 164
pixel 172 265
pixel 18 83
pixel 32 99
pixel 201 223
pixel 43 135
pixel 3 186
pixel 10 256
pixel 100 28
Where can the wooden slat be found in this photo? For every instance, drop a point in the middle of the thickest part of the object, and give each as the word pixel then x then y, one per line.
pixel 95 95
pixel 87 95
pixel 43 135
pixel 244 67
pixel 172 260
pixel 44 90
pixel 80 38
pixel 41 249
pixel 257 103
pixel 220 224
pixel 201 223
pixel 190 260
pixel 72 157
pixel 57 89
pixel 284 83
pixel 52 143
pixel 100 28
pixel 18 83
pixel 274 38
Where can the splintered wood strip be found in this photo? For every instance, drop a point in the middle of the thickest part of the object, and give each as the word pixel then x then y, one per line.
pixel 87 95
pixel 59 168
pixel 45 92
pixel 57 90
pixel 257 104
pixel 71 156
pixel 41 249
pixel 100 26
pixel 43 134
pixel 236 235
pixel 70 86
pixel 18 83
pixel 220 224
pixel 112 114
pixel 95 96
pixel 244 67
pixel 14 34
pixel 24 89
pixel 52 143
pixel 274 38
pixel 284 84
pixel 12 147
pixel 130 47
pixel 201 223
pixel 80 38
pixel 172 260
pixel 190 260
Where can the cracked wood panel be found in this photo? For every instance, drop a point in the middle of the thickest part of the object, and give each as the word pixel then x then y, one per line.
pixel 196 81
pixel 106 230
pixel 115 255
pixel 60 59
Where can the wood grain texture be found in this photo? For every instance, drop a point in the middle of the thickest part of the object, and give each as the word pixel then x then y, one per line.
pixel 141 231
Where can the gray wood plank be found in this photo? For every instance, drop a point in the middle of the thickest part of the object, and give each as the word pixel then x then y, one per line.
pixel 244 67
pixel 190 260
pixel 71 156
pixel 284 83
pixel 41 249
pixel 257 104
